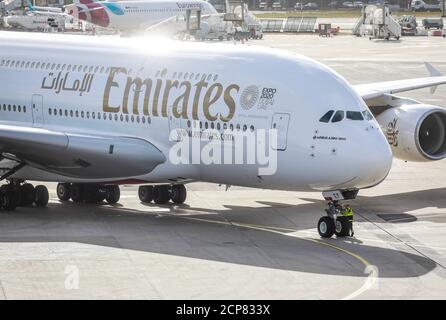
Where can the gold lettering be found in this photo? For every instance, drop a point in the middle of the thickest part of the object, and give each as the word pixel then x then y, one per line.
pixel 111 84
pixel 185 98
pixel 200 84
pixel 169 85
pixel 156 95
pixel 137 83
pixel 208 100
pixel 229 100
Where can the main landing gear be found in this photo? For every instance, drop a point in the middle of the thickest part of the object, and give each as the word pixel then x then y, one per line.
pixel 163 194
pixel 336 222
pixel 88 192
pixel 15 194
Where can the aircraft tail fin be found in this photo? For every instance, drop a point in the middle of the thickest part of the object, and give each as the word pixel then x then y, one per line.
pixel 29 5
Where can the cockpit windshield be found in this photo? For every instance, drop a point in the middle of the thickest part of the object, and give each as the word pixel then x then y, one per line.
pixel 340 115
pixel 354 115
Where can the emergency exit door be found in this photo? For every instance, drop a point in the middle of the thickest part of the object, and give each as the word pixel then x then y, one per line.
pixel 37 110
pixel 280 123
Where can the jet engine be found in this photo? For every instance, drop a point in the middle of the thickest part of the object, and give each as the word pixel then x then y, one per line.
pixel 416 132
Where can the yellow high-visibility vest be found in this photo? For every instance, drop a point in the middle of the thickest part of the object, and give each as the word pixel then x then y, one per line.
pixel 347 212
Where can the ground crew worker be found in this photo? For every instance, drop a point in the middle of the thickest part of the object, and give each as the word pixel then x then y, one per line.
pixel 348 213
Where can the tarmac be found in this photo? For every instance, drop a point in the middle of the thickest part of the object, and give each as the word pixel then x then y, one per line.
pixel 247 243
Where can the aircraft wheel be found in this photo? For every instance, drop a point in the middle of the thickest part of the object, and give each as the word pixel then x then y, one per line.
pixel 326 227
pixel 161 194
pixel 8 200
pixel 112 194
pixel 27 194
pixel 42 196
pixel 76 192
pixel 179 193
pixel 63 191
pixel 342 227
pixel 145 194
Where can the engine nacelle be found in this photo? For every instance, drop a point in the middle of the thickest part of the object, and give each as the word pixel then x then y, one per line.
pixel 416 132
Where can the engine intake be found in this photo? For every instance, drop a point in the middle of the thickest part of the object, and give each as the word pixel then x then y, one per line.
pixel 416 132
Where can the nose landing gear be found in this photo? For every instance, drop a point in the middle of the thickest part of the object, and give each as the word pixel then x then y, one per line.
pixel 339 218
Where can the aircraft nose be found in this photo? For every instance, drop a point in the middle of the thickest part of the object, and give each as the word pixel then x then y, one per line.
pixel 375 157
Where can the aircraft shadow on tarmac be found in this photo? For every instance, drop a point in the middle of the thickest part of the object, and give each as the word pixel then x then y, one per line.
pixel 176 234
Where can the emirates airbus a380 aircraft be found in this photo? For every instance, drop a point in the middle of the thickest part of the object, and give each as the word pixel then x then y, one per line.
pixel 94 113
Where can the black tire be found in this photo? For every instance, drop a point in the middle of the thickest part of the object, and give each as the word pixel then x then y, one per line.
pixel 8 200
pixel 161 194
pixel 42 196
pixel 326 227
pixel 112 194
pixel 342 227
pixel 77 192
pixel 145 194
pixel 27 194
pixel 63 191
pixel 178 193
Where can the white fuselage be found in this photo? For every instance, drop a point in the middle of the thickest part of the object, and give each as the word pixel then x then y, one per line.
pixel 90 86
pixel 136 15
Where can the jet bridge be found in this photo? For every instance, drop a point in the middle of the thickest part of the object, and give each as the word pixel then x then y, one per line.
pixel 377 22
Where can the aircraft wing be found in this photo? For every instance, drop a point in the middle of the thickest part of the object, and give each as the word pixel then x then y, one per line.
pixel 378 89
pixel 78 155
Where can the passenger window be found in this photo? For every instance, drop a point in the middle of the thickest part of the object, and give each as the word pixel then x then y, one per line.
pixel 354 115
pixel 327 116
pixel 339 116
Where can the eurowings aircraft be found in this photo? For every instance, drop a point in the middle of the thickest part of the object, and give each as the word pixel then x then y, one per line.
pixel 94 113
pixel 129 16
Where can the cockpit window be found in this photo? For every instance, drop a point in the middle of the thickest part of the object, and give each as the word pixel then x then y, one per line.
pixel 326 117
pixel 354 115
pixel 339 115
pixel 367 115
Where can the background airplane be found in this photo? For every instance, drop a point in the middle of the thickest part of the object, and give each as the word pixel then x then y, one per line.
pixel 128 16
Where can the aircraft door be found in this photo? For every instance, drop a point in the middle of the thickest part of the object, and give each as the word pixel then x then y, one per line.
pixel 280 123
pixel 37 110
